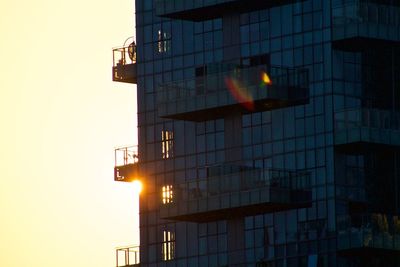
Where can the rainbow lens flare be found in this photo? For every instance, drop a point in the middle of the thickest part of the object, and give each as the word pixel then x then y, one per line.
pixel 239 92
pixel 265 78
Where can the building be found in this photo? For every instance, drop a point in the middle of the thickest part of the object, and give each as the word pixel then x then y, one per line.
pixel 269 132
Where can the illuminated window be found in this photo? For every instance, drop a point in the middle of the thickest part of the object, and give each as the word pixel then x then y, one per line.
pixel 167 142
pixel 167 194
pixel 163 42
pixel 168 246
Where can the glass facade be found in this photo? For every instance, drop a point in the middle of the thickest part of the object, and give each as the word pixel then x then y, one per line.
pixel 243 89
pixel 237 171
pixel 366 19
pixel 236 191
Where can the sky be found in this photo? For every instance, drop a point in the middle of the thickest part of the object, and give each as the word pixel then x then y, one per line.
pixel 61 118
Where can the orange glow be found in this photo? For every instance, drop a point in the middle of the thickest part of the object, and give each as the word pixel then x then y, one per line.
pixel 265 78
pixel 137 186
pixel 240 93
pixel 60 123
pixel 167 194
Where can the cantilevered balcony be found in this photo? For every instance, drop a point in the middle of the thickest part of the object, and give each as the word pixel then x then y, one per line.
pixel 359 24
pixel 126 164
pixel 366 235
pixel 210 9
pixel 239 90
pixel 124 64
pixel 128 256
pixel 234 191
pixel 362 128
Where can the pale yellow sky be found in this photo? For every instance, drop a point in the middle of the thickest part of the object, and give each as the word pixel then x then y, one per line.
pixel 61 117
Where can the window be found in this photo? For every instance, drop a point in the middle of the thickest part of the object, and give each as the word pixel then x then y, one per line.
pixel 163 42
pixel 312 260
pixel 167 194
pixel 167 141
pixel 168 246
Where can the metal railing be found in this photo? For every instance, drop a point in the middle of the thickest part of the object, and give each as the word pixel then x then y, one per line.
pixel 124 55
pixel 246 79
pixel 128 256
pixel 370 118
pixel 242 180
pixel 366 12
pixel 126 155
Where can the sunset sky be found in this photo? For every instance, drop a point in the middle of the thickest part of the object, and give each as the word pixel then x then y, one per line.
pixel 61 117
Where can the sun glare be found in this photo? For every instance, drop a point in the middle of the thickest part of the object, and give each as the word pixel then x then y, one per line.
pixel 266 78
pixel 137 186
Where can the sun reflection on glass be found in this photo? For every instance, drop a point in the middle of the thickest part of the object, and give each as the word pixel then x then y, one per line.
pixel 265 78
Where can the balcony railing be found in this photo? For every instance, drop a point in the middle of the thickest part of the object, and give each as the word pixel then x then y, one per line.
pixel 231 191
pixel 361 20
pixel 126 155
pixel 240 89
pixel 366 233
pixel 126 164
pixel 128 256
pixel 362 125
pixel 205 10
pixel 124 64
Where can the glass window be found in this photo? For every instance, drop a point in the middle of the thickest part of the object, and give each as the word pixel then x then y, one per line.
pixel 163 41
pixel 168 246
pixel 167 194
pixel 167 144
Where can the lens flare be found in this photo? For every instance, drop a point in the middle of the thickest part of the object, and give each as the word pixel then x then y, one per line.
pixel 265 78
pixel 239 92
pixel 137 186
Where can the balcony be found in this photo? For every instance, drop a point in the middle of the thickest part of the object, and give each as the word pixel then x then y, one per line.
pixel 366 235
pixel 235 191
pixel 362 24
pixel 221 92
pixel 362 128
pixel 128 256
pixel 126 164
pixel 211 9
pixel 124 64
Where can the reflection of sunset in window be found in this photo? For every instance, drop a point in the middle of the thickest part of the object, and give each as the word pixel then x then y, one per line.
pixel 167 194
pixel 168 246
pixel 167 139
pixel 163 42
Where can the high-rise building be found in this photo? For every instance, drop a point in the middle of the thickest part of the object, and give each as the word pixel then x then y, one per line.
pixel 269 132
